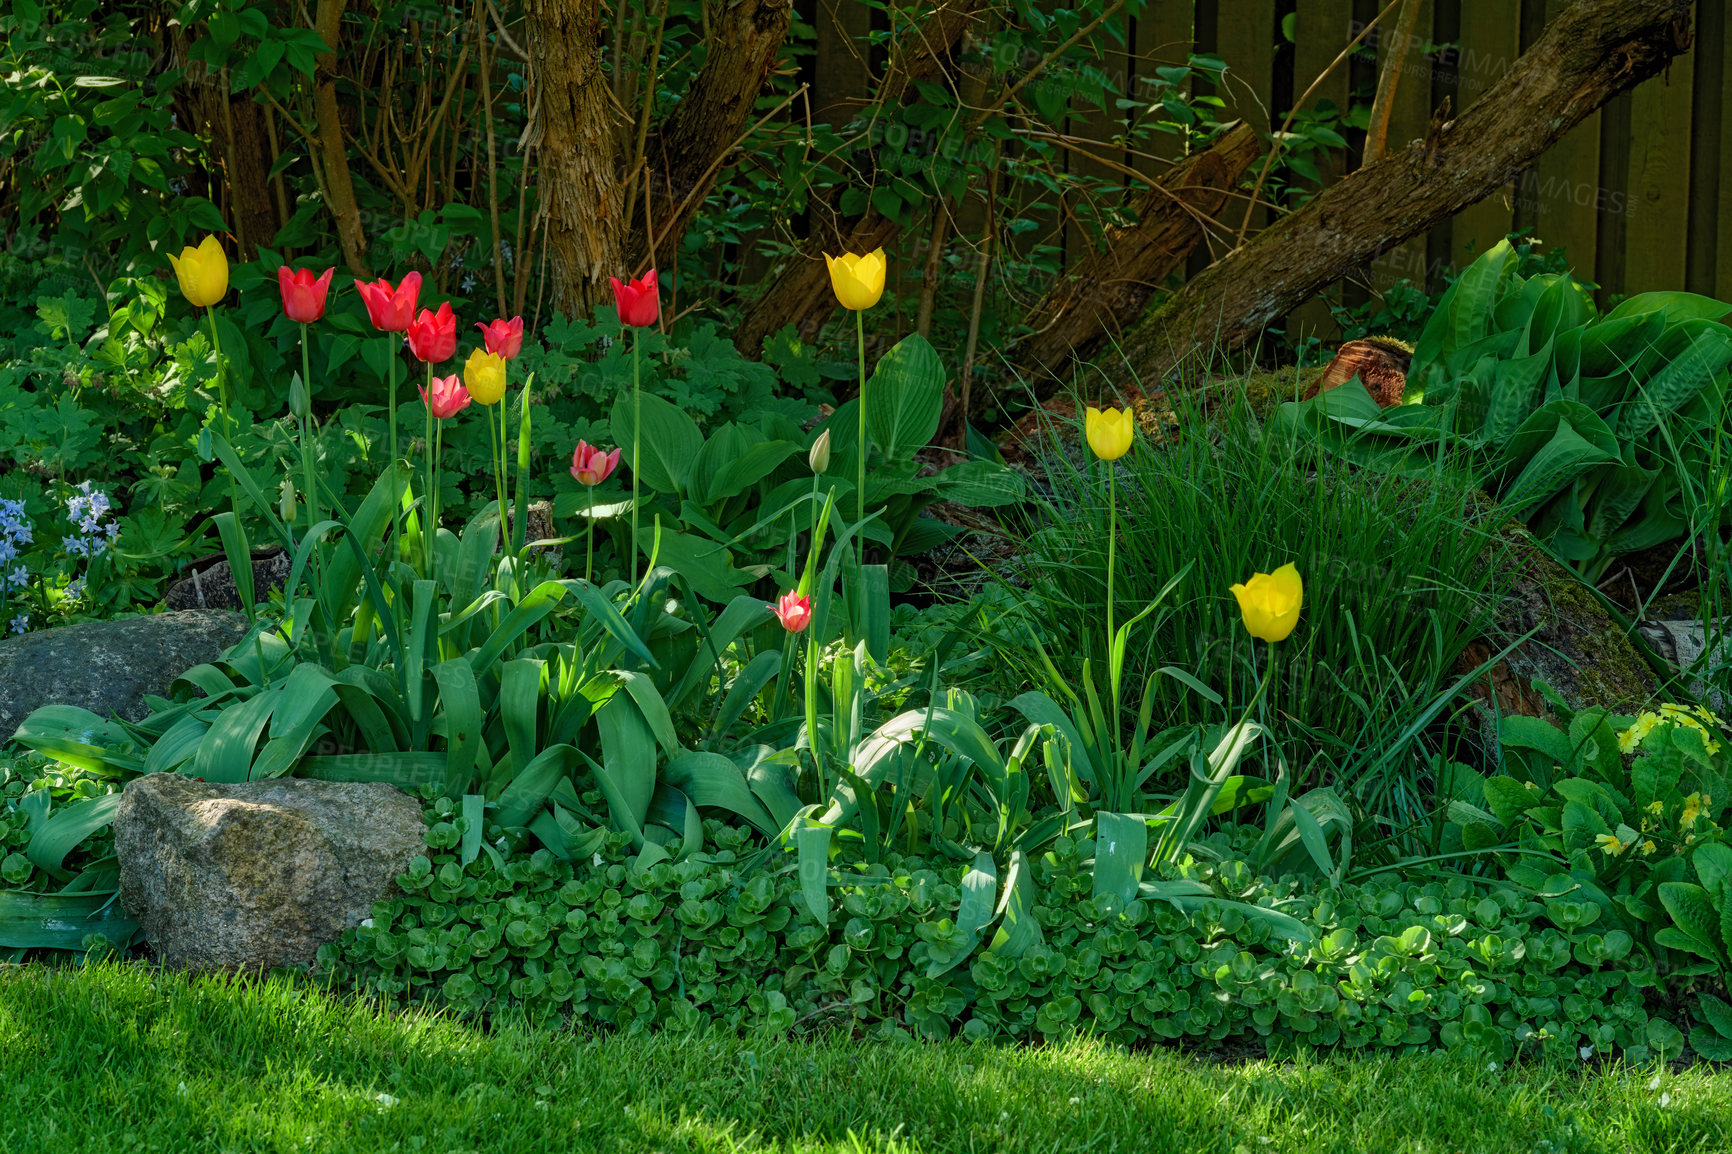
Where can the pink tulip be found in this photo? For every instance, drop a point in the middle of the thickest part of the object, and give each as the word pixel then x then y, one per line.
pixel 391 309
pixel 793 610
pixel 636 300
pixel 303 295
pixel 449 396
pixel 590 465
pixel 504 338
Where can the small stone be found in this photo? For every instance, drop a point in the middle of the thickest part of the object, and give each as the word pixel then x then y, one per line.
pixel 210 585
pixel 108 667
pixel 259 874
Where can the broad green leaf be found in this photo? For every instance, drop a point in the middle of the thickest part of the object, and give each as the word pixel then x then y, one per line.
pixel 1121 850
pixel 66 828
pixel 61 921
pixel 671 441
pixel 905 398
pixel 79 737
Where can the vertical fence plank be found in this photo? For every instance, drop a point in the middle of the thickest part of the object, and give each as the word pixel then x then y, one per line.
pixel 1708 155
pixel 1245 38
pixel 841 70
pixel 1723 239
pixel 1163 34
pixel 1655 231
pixel 1562 192
pixel 1490 39
pixel 1409 118
pixel 1323 29
pixel 1098 127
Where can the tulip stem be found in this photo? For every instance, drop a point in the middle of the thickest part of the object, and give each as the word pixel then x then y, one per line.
pixel 391 417
pixel 636 439
pixel 307 433
pixel 1113 663
pixel 499 470
pixel 427 510
pixel 438 464
pixel 223 404
pixel 860 342
pixel 589 544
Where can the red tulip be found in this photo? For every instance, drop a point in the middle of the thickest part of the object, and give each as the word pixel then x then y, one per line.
pixel 449 396
pixel 637 301
pixel 391 309
pixel 303 296
pixel 504 338
pixel 433 335
pixel 793 610
pixel 590 465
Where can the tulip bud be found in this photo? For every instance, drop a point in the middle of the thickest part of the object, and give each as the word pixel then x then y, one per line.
pixel 286 500
pixel 819 457
pixel 523 427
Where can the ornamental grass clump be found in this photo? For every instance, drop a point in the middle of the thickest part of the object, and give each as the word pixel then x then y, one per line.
pixel 1398 575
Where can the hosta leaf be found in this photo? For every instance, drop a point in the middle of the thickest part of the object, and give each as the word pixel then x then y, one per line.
pixel 905 398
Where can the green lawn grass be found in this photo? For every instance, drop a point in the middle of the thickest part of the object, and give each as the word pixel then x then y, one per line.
pixel 122 1058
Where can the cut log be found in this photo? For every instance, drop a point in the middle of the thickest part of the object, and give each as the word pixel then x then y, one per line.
pixel 1593 51
pixel 1115 282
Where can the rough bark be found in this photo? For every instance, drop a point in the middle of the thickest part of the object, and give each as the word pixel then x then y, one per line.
pixel 1117 280
pixel 249 165
pixel 688 151
pixel 333 149
pixel 579 174
pixel 1593 51
pixel 799 293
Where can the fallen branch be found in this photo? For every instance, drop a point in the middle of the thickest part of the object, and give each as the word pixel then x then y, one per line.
pixel 1117 280
pixel 1593 51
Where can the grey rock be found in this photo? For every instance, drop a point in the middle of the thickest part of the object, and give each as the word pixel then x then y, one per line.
pixel 209 584
pixel 258 874
pixel 109 666
pixel 1685 642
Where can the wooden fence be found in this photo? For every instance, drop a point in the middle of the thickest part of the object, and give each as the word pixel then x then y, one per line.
pixel 1639 196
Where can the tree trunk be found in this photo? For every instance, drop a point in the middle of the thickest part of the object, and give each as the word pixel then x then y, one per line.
pixel 333 149
pixel 1116 281
pixel 576 148
pixel 249 165
pixel 1594 50
pixel 689 150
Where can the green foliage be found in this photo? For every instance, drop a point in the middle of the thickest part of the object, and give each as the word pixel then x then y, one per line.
pixel 1615 821
pixel 1399 575
pixel 1589 427
pixel 58 873
pixel 731 940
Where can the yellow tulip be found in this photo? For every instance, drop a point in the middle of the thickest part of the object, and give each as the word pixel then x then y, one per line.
pixel 1109 432
pixel 1270 603
pixel 857 280
pixel 484 377
pixel 203 272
